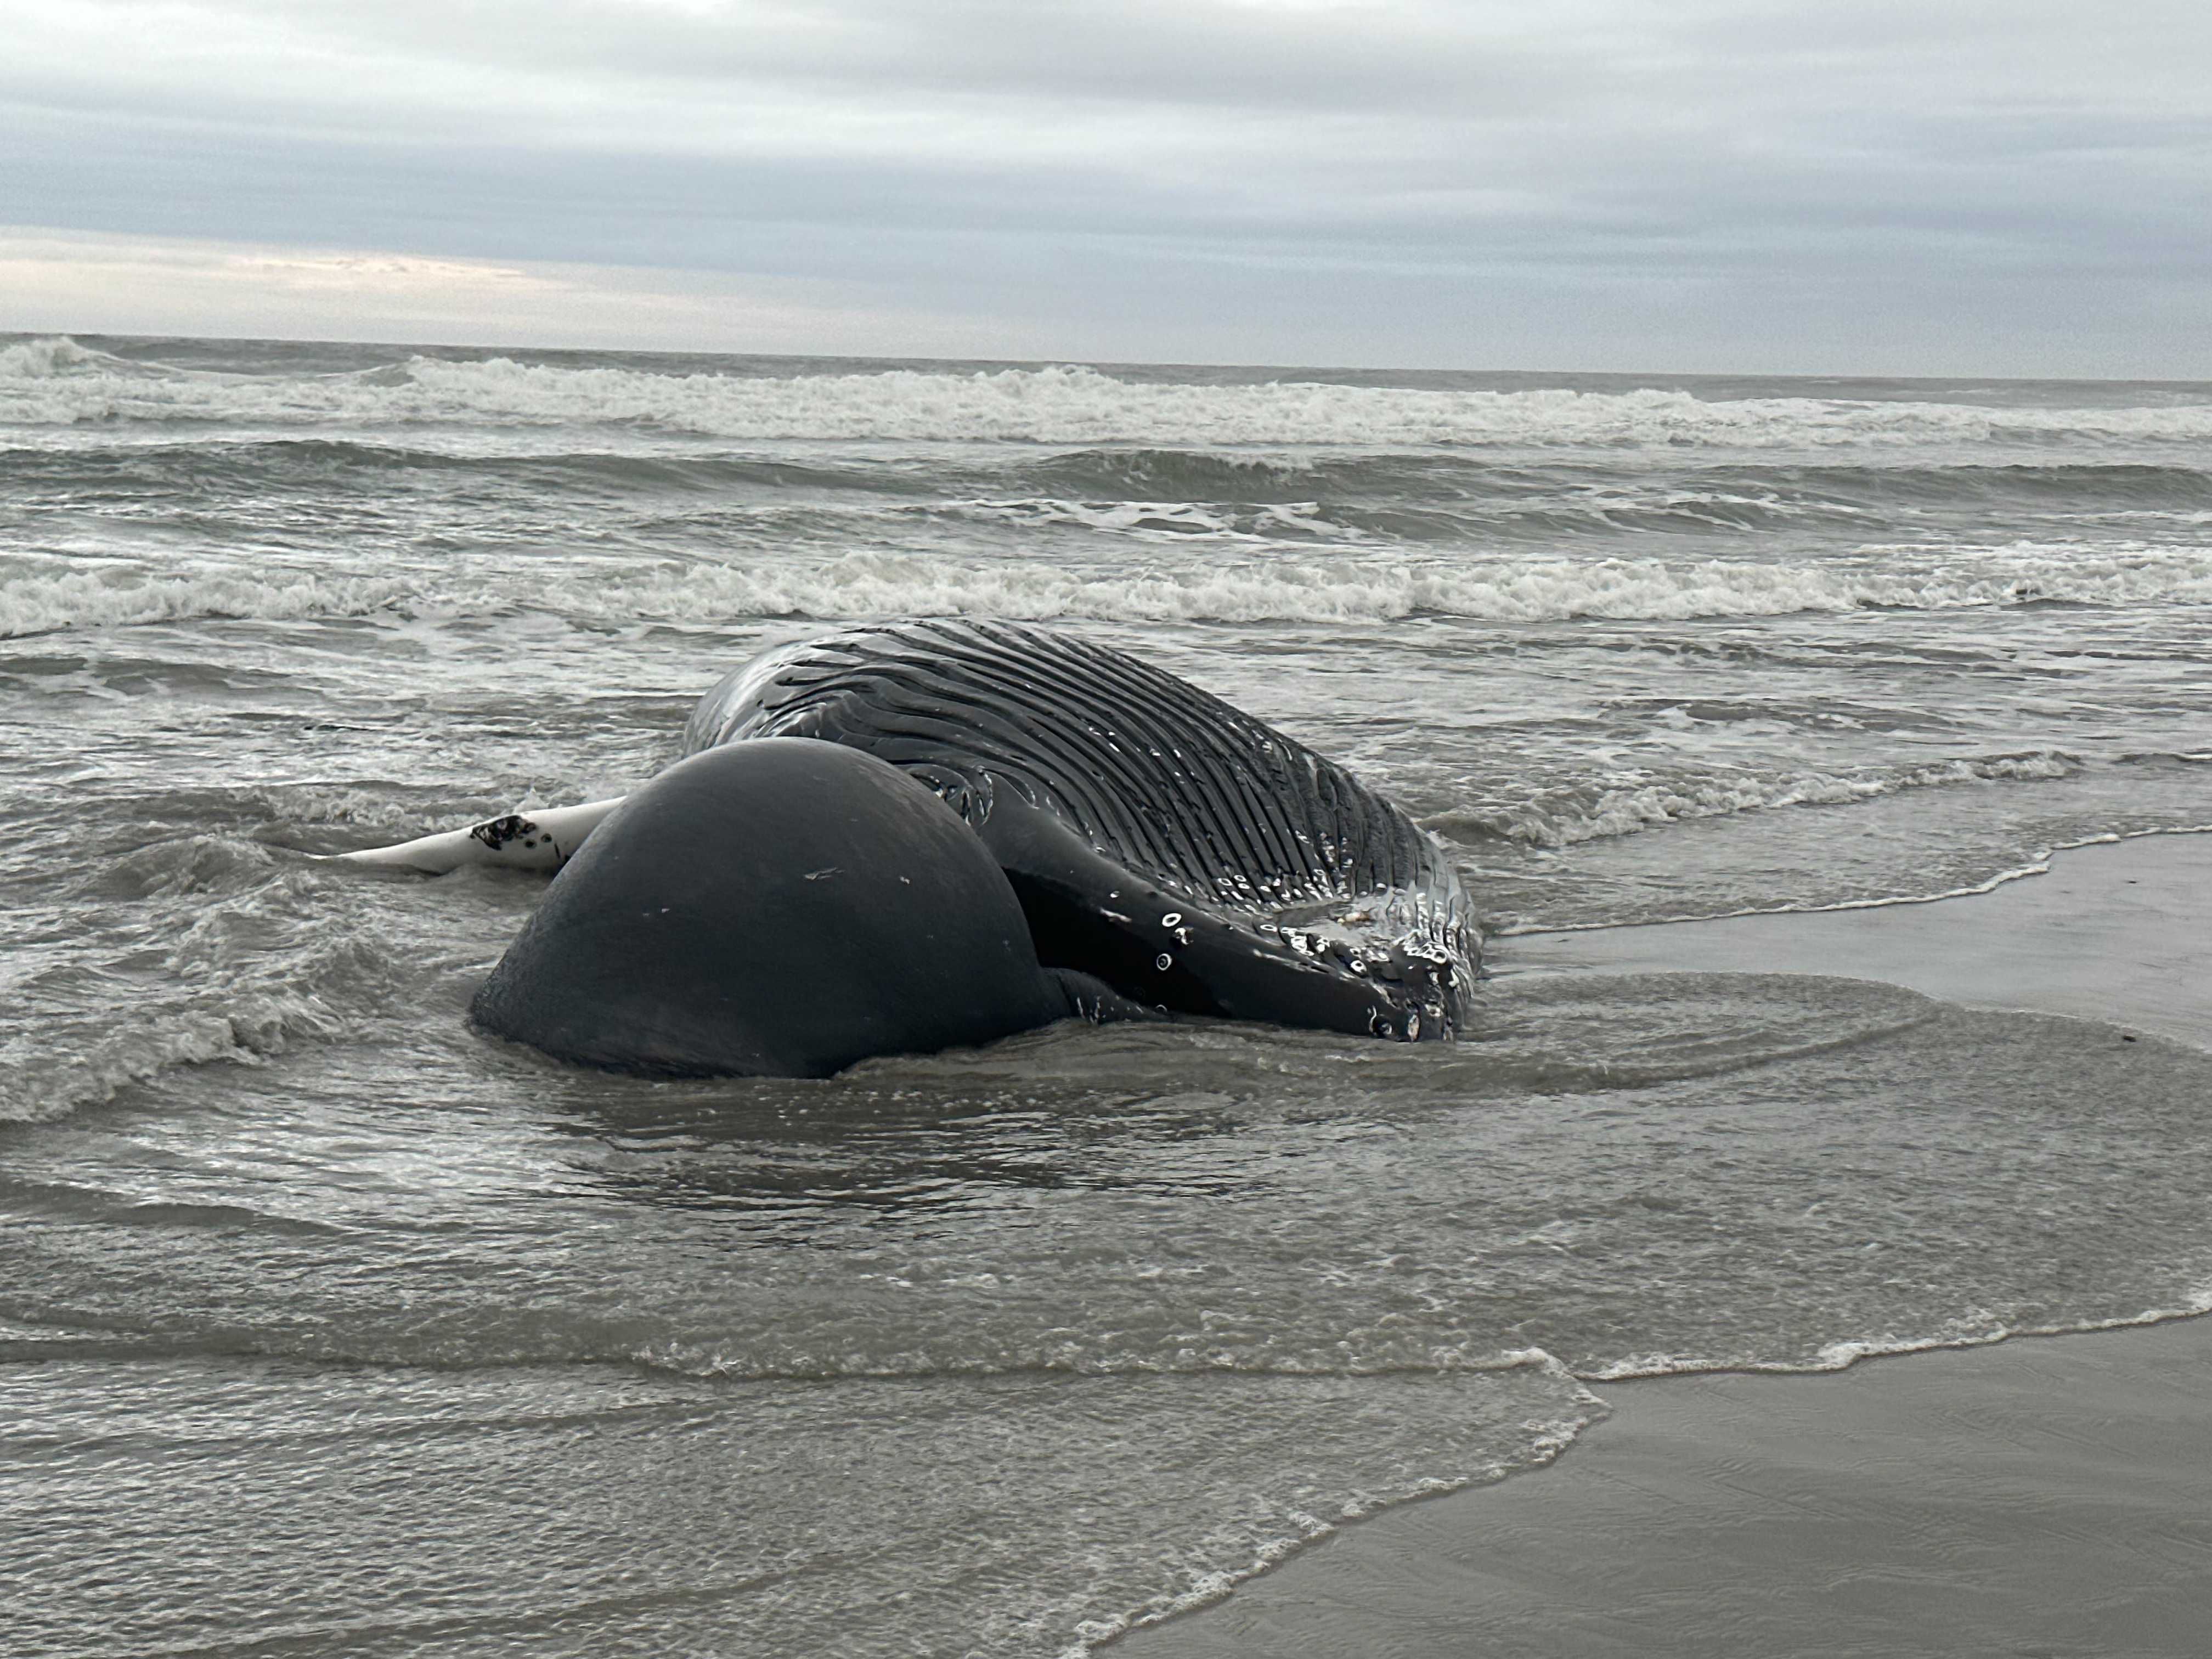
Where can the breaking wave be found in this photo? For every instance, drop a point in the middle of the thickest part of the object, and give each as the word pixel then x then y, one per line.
pixel 863 585
pixel 56 381
pixel 40 604
pixel 262 1026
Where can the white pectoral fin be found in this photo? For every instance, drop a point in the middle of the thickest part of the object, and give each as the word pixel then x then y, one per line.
pixel 536 840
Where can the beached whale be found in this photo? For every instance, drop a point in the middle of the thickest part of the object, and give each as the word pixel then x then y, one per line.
pixel 905 836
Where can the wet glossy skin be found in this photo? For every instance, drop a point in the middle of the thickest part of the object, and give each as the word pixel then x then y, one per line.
pixel 779 908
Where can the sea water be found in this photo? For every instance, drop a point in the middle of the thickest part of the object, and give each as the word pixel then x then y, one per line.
pixel 327 1326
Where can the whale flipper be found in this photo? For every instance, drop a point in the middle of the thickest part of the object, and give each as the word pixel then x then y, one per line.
pixel 542 838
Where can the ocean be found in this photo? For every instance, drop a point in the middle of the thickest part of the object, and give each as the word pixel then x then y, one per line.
pixel 329 1327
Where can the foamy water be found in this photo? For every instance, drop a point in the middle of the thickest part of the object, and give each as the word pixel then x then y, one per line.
pixel 328 1324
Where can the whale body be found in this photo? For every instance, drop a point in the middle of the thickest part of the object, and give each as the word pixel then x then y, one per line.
pixel 1115 795
pixel 1136 843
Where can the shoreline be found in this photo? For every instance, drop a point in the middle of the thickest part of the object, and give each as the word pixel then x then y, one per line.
pixel 2048 1493
pixel 2118 932
pixel 2042 1495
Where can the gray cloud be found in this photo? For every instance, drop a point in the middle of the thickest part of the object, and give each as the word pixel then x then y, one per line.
pixel 2012 188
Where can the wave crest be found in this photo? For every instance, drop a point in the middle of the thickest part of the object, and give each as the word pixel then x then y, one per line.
pixel 43 359
pixel 56 381
pixel 259 1027
pixel 40 604
pixel 862 586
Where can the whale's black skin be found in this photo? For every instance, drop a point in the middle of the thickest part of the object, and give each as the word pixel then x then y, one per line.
pixel 777 908
pixel 911 836
pixel 1184 852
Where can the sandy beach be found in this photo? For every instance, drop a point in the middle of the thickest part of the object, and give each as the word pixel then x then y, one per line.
pixel 2047 1496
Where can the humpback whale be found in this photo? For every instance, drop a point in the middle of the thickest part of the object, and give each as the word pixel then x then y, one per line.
pixel 910 836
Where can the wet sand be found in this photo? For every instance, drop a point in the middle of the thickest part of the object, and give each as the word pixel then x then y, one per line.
pixel 2045 1496
pixel 2121 931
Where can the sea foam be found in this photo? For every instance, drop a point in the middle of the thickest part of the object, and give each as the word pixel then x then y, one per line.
pixel 1278 588
pixel 40 604
pixel 57 382
pixel 1322 590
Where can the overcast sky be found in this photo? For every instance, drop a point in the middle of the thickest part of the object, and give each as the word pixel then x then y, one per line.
pixel 1942 186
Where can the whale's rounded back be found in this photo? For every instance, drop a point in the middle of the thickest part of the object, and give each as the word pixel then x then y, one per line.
pixel 1189 855
pixel 778 909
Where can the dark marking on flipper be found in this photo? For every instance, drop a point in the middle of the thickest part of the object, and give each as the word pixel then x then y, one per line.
pixel 499 832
